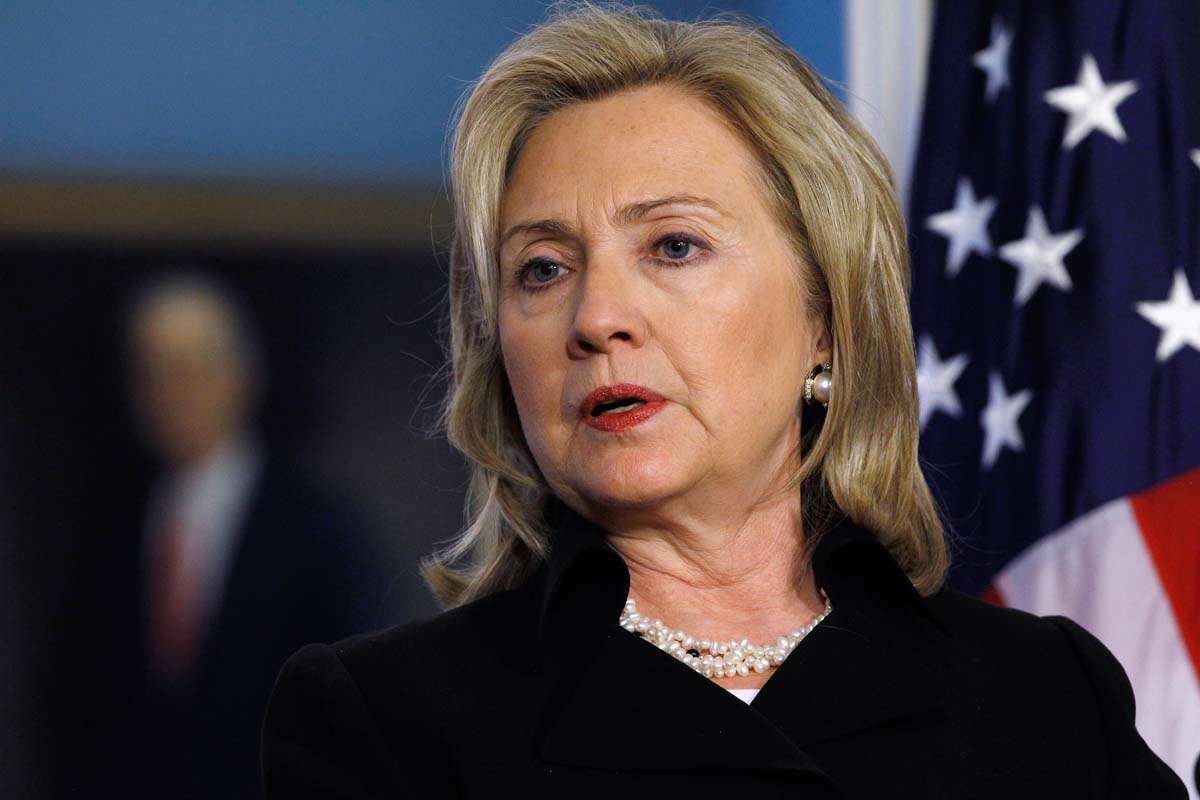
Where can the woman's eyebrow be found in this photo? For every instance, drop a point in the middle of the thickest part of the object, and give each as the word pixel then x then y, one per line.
pixel 551 226
pixel 626 214
pixel 635 211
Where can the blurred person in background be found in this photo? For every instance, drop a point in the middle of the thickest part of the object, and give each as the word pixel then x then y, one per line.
pixel 242 559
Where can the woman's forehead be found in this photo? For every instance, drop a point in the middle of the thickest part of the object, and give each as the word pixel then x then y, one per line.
pixel 634 147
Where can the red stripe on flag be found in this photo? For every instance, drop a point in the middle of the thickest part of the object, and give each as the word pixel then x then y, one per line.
pixel 993 595
pixel 1169 516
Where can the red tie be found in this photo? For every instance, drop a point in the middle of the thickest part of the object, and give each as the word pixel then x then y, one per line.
pixel 174 612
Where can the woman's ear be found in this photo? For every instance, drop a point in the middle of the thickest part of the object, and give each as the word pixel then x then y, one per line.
pixel 822 342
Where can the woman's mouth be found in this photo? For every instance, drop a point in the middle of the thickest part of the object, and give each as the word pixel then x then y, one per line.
pixel 620 407
pixel 617 406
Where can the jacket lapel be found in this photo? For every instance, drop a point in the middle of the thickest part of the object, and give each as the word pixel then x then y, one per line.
pixel 844 678
pixel 635 707
pixel 877 658
pixel 617 702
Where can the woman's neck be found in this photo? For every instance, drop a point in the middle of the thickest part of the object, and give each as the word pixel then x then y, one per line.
pixel 743 575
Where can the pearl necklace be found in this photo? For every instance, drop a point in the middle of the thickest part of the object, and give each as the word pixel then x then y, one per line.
pixel 711 658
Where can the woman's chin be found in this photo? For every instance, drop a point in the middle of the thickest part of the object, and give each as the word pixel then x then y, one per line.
pixel 634 483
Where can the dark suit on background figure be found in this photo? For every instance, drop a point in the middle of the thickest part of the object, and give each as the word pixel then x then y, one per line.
pixel 295 569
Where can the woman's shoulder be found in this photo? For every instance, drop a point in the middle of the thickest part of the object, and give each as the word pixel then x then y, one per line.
pixel 973 619
pixel 340 707
pixel 1050 673
pixel 494 632
pixel 1051 661
pixel 500 621
pixel 1001 632
pixel 965 615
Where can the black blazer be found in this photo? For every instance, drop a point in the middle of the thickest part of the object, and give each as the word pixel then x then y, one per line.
pixel 538 692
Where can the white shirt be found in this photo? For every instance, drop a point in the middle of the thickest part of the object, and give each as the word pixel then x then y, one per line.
pixel 211 498
pixel 744 694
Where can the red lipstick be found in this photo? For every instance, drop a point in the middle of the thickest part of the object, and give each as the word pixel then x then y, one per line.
pixel 620 407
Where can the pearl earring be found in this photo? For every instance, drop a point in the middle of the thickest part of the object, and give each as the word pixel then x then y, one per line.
pixel 819 385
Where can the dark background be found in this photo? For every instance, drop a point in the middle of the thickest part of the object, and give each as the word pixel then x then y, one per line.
pixel 351 341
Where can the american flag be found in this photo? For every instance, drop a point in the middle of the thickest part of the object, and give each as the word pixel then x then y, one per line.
pixel 1055 218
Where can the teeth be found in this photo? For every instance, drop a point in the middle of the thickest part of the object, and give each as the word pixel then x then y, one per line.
pixel 627 405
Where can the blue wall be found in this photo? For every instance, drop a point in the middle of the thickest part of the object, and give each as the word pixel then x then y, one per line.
pixel 344 90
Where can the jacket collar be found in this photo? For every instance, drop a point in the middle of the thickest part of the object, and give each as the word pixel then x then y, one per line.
pixel 587 580
pixel 875 659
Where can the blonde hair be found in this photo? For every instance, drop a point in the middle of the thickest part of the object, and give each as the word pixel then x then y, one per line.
pixel 831 190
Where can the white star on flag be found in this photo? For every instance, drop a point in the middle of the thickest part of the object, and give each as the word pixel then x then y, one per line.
pixel 1091 104
pixel 1178 317
pixel 1196 156
pixel 994 58
pixel 965 226
pixel 1039 256
pixel 1000 420
pixel 935 380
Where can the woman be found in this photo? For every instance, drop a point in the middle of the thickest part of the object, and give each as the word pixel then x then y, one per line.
pixel 700 555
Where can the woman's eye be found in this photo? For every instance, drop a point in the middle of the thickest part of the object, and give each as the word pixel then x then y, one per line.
pixel 676 248
pixel 544 271
pixel 538 273
pixel 672 250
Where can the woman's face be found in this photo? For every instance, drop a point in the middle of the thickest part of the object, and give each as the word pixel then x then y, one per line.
pixel 643 271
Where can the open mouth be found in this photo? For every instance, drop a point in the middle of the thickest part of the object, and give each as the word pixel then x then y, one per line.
pixel 618 406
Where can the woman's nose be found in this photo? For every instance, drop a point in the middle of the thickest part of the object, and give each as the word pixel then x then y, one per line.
pixel 607 313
